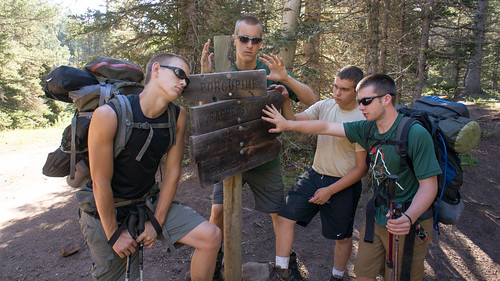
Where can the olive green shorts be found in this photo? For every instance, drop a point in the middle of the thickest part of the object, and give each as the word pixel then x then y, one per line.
pixel 267 187
pixel 371 257
pixel 107 265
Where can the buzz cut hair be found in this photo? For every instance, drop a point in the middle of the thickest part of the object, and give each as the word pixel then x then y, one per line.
pixel 382 84
pixel 162 58
pixel 351 73
pixel 250 20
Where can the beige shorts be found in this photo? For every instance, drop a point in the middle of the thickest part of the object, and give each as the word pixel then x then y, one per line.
pixel 371 257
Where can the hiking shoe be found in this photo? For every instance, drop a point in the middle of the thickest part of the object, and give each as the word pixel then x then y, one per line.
pixel 293 265
pixel 336 278
pixel 279 274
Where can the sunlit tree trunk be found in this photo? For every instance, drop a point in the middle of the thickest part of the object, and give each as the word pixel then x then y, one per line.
pixel 291 11
pixel 422 51
pixel 312 9
pixel 473 75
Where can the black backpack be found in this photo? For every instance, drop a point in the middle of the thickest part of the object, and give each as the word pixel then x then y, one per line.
pixel 112 80
pixel 452 132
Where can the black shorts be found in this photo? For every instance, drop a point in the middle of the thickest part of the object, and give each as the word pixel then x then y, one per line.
pixel 337 216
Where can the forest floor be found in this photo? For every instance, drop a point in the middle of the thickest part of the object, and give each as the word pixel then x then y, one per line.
pixel 39 216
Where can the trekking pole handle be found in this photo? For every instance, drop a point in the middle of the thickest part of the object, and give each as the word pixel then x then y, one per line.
pixel 391 187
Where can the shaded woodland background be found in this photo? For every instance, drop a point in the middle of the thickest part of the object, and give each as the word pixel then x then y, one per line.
pixel 448 48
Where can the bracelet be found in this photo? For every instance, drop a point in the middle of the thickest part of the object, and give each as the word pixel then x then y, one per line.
pixel 411 222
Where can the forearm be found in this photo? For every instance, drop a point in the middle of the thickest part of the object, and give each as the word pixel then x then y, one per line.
pixel 423 198
pixel 287 110
pixel 316 127
pixel 167 194
pixel 103 196
pixel 352 177
pixel 304 93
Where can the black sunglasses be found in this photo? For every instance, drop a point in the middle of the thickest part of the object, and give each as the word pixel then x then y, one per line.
pixel 245 39
pixel 178 72
pixel 366 101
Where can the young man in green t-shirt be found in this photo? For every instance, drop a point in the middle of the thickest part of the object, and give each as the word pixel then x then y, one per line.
pixel 265 181
pixel 415 188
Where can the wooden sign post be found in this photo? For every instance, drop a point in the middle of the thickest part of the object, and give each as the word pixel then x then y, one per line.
pixel 229 137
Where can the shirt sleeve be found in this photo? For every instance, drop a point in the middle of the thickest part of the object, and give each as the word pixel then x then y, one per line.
pixel 313 110
pixel 356 132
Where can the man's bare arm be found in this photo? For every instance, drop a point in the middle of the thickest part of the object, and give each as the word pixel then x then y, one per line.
pixel 311 127
pixel 172 171
pixel 421 202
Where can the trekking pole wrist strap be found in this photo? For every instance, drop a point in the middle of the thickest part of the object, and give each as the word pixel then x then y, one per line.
pixel 114 237
pixel 154 222
pixel 411 222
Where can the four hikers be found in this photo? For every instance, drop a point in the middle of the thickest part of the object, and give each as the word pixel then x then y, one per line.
pixel 130 212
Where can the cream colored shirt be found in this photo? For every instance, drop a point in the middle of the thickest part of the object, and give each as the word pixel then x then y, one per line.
pixel 335 156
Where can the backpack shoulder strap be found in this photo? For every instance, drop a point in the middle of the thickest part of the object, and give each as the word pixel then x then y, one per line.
pixel 402 132
pixel 125 117
pixel 126 123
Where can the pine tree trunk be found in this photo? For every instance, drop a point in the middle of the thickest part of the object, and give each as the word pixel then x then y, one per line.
pixel 310 47
pixel 384 38
pixel 373 36
pixel 473 75
pixel 424 46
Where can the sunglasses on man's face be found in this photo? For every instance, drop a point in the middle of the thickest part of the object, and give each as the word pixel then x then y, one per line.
pixel 366 101
pixel 178 72
pixel 245 39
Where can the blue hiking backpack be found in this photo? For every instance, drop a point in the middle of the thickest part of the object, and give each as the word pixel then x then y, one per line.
pixel 453 132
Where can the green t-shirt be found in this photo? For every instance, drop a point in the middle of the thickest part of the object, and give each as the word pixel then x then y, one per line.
pixel 293 96
pixel 384 160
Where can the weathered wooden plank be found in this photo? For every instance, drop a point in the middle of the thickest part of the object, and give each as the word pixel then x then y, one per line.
pixel 226 165
pixel 226 85
pixel 232 228
pixel 224 46
pixel 228 140
pixel 214 116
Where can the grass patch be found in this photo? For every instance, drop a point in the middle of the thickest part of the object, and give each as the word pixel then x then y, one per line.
pixel 468 160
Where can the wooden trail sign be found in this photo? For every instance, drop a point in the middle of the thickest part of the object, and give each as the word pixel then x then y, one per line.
pixel 213 116
pixel 227 143
pixel 226 85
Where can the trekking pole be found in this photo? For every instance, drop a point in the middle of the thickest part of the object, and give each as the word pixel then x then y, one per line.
pixel 140 230
pixel 391 192
pixel 398 210
pixel 132 222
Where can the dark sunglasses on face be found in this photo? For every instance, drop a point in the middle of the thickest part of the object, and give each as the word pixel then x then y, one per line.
pixel 366 101
pixel 245 39
pixel 178 72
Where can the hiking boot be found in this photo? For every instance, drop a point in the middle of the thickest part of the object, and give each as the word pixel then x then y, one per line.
pixel 293 265
pixel 336 278
pixel 279 274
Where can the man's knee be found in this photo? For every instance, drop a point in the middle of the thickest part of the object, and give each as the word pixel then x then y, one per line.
pixel 211 236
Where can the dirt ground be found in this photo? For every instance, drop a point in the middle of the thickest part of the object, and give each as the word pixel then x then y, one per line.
pixel 39 216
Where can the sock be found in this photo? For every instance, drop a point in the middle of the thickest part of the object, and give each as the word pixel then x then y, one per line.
pixel 282 262
pixel 337 273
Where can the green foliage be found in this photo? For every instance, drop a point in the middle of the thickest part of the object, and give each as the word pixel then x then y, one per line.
pixel 297 154
pixel 468 160
pixel 28 47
